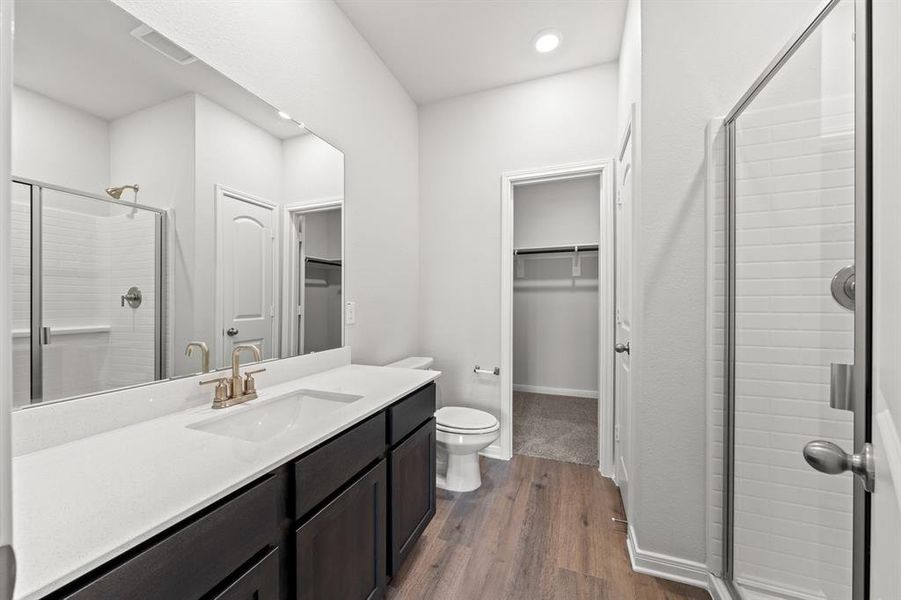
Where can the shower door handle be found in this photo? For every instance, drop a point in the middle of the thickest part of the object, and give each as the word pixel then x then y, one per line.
pixel 829 458
pixel 840 390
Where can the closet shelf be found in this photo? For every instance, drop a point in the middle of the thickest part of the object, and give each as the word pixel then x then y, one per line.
pixel 555 249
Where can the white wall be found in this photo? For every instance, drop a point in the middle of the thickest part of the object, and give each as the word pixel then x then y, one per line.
pixel 721 49
pixel 59 144
pixel 312 170
pixel 629 85
pixel 466 144
pixel 557 212
pixel 555 314
pixel 306 58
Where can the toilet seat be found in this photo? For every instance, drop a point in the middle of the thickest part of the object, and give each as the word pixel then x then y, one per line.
pixel 465 421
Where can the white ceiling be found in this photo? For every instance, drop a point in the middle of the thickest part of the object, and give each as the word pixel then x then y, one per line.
pixel 444 48
pixel 83 54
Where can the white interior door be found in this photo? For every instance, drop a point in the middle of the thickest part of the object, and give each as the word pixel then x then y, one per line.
pixel 623 303
pixel 247 274
pixel 885 523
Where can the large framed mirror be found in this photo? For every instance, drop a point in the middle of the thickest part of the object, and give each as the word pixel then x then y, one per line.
pixel 162 213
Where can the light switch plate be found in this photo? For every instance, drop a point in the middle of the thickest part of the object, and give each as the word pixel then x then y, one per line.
pixel 350 313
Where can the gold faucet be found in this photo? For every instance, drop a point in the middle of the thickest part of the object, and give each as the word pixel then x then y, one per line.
pixel 235 389
pixel 204 354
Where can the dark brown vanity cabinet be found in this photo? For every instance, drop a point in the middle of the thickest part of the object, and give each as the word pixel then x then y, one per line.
pixel 333 524
pixel 412 501
pixel 204 555
pixel 341 550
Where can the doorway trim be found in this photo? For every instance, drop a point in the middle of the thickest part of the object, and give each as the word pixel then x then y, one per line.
pixel 221 192
pixel 289 264
pixel 604 169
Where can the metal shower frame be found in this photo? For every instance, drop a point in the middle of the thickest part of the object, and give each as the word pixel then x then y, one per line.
pixel 863 264
pixel 160 275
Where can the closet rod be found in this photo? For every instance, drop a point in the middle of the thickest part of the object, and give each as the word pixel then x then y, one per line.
pixel 556 249
pixel 324 261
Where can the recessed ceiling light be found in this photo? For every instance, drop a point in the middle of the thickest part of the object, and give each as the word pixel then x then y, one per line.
pixel 547 41
pixel 284 115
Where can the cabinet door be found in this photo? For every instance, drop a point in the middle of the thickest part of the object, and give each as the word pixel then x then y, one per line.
pixel 412 500
pixel 341 549
pixel 259 582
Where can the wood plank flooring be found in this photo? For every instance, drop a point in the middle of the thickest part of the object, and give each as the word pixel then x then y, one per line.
pixel 536 529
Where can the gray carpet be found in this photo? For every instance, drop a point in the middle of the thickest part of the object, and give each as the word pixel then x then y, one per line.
pixel 556 427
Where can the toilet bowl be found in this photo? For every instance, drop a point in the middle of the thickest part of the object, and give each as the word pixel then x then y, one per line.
pixel 461 433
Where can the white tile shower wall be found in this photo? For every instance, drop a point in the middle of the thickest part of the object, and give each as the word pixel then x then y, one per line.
pixel 794 222
pixel 132 236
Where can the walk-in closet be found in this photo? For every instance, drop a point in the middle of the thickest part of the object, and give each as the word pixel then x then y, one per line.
pixel 556 225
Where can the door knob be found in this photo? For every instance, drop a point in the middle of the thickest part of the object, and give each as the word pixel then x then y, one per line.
pixel 231 331
pixel 827 457
pixel 620 348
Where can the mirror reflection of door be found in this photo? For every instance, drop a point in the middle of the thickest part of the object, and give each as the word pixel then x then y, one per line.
pixel 247 281
pixel 318 281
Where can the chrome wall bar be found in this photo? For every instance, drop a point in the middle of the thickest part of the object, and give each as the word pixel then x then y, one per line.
pixel 786 53
pixel 37 278
pixel 863 299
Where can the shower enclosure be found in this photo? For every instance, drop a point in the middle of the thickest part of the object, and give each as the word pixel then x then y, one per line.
pixel 791 231
pixel 88 292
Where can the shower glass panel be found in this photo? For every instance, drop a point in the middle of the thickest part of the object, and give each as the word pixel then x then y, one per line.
pixel 87 294
pixel 794 230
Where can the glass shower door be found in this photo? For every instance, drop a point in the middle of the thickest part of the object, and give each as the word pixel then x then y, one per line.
pixel 794 254
pixel 88 276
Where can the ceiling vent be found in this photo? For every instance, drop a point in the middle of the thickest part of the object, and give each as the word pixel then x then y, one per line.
pixel 163 45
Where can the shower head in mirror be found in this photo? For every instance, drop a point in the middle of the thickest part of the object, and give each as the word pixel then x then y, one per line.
pixel 116 192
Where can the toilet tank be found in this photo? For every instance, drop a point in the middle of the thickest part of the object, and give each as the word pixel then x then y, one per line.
pixel 413 362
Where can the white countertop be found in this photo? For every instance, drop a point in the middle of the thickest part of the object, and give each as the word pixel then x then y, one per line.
pixel 79 504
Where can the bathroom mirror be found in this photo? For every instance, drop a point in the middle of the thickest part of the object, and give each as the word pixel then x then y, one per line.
pixel 162 213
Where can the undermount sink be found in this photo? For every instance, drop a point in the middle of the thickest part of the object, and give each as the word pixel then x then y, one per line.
pixel 271 418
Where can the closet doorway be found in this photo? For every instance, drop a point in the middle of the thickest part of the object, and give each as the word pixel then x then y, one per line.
pixel 557 314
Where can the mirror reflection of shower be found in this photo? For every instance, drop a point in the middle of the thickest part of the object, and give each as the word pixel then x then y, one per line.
pixel 116 193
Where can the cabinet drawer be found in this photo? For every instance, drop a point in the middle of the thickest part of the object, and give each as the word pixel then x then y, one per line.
pixel 259 582
pixel 341 549
pixel 411 477
pixel 410 413
pixel 197 557
pixel 318 474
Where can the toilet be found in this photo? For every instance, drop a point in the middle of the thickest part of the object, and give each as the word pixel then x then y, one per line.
pixel 461 433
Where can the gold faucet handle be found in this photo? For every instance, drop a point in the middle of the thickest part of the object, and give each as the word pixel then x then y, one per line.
pixel 250 385
pixel 222 392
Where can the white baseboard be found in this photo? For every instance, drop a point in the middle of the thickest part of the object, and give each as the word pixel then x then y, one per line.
pixel 555 391
pixel 666 567
pixel 494 451
pixel 718 588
